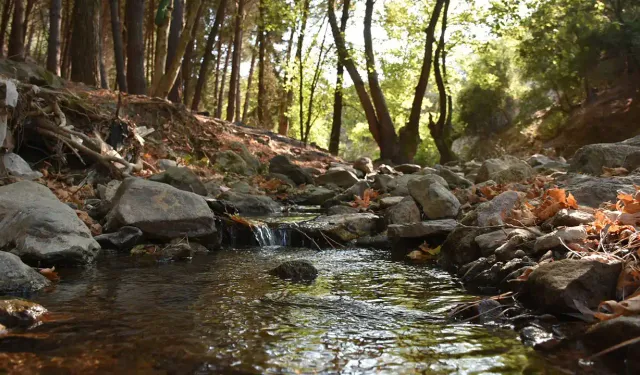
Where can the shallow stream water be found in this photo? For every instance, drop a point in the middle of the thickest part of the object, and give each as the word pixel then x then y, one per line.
pixel 222 313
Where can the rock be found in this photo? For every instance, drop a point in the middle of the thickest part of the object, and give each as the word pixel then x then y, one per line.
pixel 423 229
pixel 408 168
pixel 281 164
pixel 124 239
pixel 387 202
pixel 489 242
pixel 427 180
pixel 538 160
pixel 213 188
pixel 176 252
pixel 460 247
pixel 251 203
pixel 41 229
pixel 454 180
pixel 181 178
pixel 405 212
pixel 341 210
pixel 612 332
pixel 493 213
pixel 15 166
pixel 296 270
pixel 343 227
pixel 283 179
pixel 593 191
pixel 17 278
pixel 632 161
pixel 533 335
pixel 571 218
pixel 109 191
pixel 164 164
pixel 590 159
pixel 398 186
pixel 555 287
pixel 427 170
pixel 241 149
pixel 386 169
pixel 356 189
pixel 381 183
pixel 339 177
pixel 18 312
pixel 229 161
pixel 364 164
pixel 378 242
pixel 436 200
pixel 517 242
pixel 160 211
pixel 557 238
pixel 313 195
pixel 503 170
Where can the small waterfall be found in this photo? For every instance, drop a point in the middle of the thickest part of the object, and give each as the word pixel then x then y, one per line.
pixel 264 235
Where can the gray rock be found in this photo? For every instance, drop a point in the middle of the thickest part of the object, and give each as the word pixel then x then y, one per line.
pixel 164 164
pixel 423 229
pixel 518 241
pixel 17 278
pixel 41 229
pixel 15 166
pixel 364 164
pixel 460 247
pixel 124 239
pixel 314 195
pixel 213 188
pixel 590 159
pixel 181 178
pixel 556 239
pixel 387 202
pixel 356 189
pixel 489 242
pixel 281 164
pixel 252 162
pixel 556 287
pixel 339 177
pixel 341 210
pixel 109 191
pixel 632 161
pixel 503 170
pixel 243 187
pixel 427 170
pixel 160 211
pixel 405 212
pixel 571 218
pixel 499 208
pixel 229 161
pixel 408 168
pixel 436 200
pixel 381 183
pixel 593 191
pixel 398 186
pixel 251 203
pixel 343 227
pixel 612 332
pixel 386 169
pixel 296 271
pixel 284 179
pixel 18 312
pixel 175 252
pixel 453 179
pixel 538 160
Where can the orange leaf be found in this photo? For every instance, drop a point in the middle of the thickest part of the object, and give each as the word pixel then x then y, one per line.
pixel 50 273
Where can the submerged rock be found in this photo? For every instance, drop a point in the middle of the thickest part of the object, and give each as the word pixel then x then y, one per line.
pixel 281 164
pixel 181 178
pixel 343 227
pixel 160 210
pixel 18 312
pixel 39 228
pixel 503 170
pixel 296 270
pixel 17 277
pixel 124 239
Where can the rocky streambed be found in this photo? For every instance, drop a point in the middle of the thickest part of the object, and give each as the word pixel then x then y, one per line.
pixel 164 277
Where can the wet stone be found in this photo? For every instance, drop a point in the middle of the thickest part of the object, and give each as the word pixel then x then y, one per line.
pixel 296 271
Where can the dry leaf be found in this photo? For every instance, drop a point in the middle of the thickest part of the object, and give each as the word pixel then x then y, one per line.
pixel 613 172
pixel 50 273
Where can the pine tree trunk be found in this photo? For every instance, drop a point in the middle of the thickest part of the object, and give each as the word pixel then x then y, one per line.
pixel 216 84
pixel 118 48
pixel 262 43
pixel 223 81
pixel 303 26
pixel 208 50
pixel 235 64
pixel 29 40
pixel 174 37
pixel 4 23
pixel 161 45
pixel 284 117
pixel 134 20
pixel 104 77
pixel 16 38
pixel 336 125
pixel 85 42
pixel 27 17
pixel 65 70
pixel 53 48
pixel 247 95
pixel 187 63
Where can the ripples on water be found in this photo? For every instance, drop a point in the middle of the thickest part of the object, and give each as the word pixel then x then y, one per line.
pixel 223 314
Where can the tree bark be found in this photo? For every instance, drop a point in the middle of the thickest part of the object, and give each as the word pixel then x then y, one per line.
pixel 16 38
pixel 262 43
pixel 163 18
pixel 223 81
pixel 118 48
pixel 303 26
pixel 410 134
pixel 169 78
pixel 312 91
pixel 4 23
pixel 208 54
pixel 287 96
pixel 134 21
pixel 104 77
pixel 85 42
pixel 247 95
pixel 177 21
pixel 27 17
pixel 53 47
pixel 336 125
pixel 65 65
pixel 235 61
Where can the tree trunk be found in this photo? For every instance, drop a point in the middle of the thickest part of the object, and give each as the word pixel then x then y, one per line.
pixel 53 48
pixel 186 67
pixel 27 17
pixel 134 21
pixel 247 95
pixel 334 140
pixel 29 40
pixel 312 91
pixel 223 81
pixel 65 70
pixel 303 26
pixel 262 43
pixel 208 54
pixel 118 48
pixel 174 37
pixel 163 18
pixel 169 78
pixel 104 76
pixel 216 83
pixel 235 61
pixel 4 23
pixel 287 97
pixel 410 134
pixel 85 42
pixel 16 38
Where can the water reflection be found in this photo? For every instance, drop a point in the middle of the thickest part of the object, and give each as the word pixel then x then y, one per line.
pixel 223 313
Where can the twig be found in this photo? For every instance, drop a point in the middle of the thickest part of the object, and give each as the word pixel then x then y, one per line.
pixel 613 348
pixel 330 240
pixel 309 238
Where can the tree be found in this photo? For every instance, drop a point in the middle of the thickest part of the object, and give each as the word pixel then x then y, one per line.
pixel 235 61
pixel 118 48
pixel 16 38
pixel 336 125
pixel 163 18
pixel 53 47
pixel 134 21
pixel 262 49
pixel 85 43
pixel 174 37
pixel 4 23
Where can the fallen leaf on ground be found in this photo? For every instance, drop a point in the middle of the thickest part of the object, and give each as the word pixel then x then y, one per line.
pixel 613 172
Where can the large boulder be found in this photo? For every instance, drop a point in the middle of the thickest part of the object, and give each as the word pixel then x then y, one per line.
pixel 40 229
pixel 160 210
pixel 423 229
pixel 17 278
pixel 15 166
pixel 592 191
pixel 251 203
pixel 590 159
pixel 340 177
pixel 503 170
pixel 460 247
pixel 342 227
pixel 398 186
pixel 281 164
pixel 560 238
pixel 556 287
pixel 405 212
pixel 436 200
pixel 498 209
pixel 181 178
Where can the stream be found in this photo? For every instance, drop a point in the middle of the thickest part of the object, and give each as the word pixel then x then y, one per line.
pixel 222 313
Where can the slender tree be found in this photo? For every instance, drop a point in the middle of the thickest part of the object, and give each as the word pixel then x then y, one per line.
pixel 235 62
pixel 85 43
pixel 16 38
pixel 336 124
pixel 104 77
pixel 134 20
pixel 163 19
pixel 118 48
pixel 287 94
pixel 172 44
pixel 53 47
pixel 262 43
pixel 247 95
pixel 223 80
pixel 4 23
